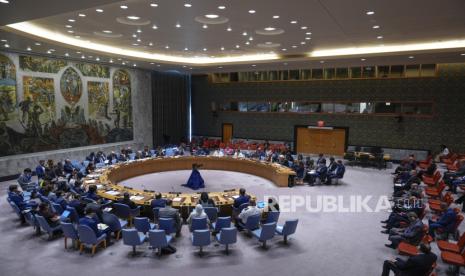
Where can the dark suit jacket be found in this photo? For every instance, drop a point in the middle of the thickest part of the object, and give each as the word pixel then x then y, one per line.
pixel 161 203
pixel 92 223
pixel 128 202
pixel 418 265
pixel 241 200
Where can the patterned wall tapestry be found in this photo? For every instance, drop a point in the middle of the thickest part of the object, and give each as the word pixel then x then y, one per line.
pixel 58 107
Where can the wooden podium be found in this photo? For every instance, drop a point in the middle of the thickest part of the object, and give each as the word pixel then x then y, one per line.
pixel 326 140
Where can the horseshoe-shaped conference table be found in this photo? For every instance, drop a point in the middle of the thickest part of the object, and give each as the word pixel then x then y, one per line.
pixel 107 179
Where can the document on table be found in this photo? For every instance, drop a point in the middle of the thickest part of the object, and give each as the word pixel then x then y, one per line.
pixel 113 193
pixel 177 199
pixel 136 197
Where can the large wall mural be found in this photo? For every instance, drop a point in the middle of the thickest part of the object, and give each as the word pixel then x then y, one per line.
pixel 61 104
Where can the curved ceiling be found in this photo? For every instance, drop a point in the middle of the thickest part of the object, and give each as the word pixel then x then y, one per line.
pixel 245 32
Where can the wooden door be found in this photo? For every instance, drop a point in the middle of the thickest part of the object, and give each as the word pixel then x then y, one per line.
pixel 326 141
pixel 227 133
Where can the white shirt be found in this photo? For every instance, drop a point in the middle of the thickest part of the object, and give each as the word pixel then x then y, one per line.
pixel 445 151
pixel 249 211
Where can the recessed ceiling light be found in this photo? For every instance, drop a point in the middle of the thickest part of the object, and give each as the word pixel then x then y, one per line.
pixel 294 46
pixel 205 26
pixel 90 56
pixel 370 12
pixel 187 5
pixel 134 65
pixel 83 57
pixel 362 59
pixel 78 52
pixel 303 42
pixel 222 48
pixel 186 49
pixel 154 27
pixel 220 67
pixel 178 25
pixel 107 31
pixel 167 47
pixel 66 55
pixel 51 50
pixel 270 29
pixel 133 17
pixel 111 61
pixel 70 31
pixel 322 61
pixel 212 16
pixel 379 37
pixel 244 33
pixel 304 27
pixel 237 46
pixel 283 49
pixel 97 59
pixel 150 44
pixel 124 63
pixel 4 1
pixel 247 43
pixel 139 31
pixel 204 49
pixel 252 11
pixel 134 35
pixel 250 38
pixel 37 44
pixel 48 52
pixel 99 10
pixel 253 65
pixel 154 5
pixel 71 20
pixel 81 15
pixel 124 7
pixel 139 40
pixel 221 7
pixel 308 33
pixel 68 26
pixel 308 38
pixel 375 27
pixel 7 46
pixel 29 49
pixel 3 40
pixel 462 54
pixel 411 57
pixel 135 44
pixel 293 22
pixel 275 16
pixel 120 59
pixel 229 29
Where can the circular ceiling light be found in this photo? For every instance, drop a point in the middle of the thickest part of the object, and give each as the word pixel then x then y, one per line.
pixel 370 12
pixel 107 31
pixel 205 26
pixel 221 7
pixel 275 16
pixel 154 5
pixel 379 37
pixel 154 27
pixel 178 25
pixel 269 31
pixel 81 15
pixel 268 45
pixel 251 11
pixel 293 22
pixel 99 10
pixel 187 5
pixel 211 19
pixel 375 27
pixel 229 29
pixel 68 26
pixel 131 20
pixel 29 49
pixel 124 7
pixel 71 20
pixel 107 34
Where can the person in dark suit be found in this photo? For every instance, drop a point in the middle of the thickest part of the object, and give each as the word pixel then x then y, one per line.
pixel 445 222
pixel 419 265
pixel 92 193
pixel 52 219
pixel 17 197
pixel 78 205
pixel 332 165
pixel 412 234
pixel 243 198
pixel 338 172
pixel 40 169
pixel 126 200
pixel 170 212
pixel 205 201
pixel 92 222
pixel 158 202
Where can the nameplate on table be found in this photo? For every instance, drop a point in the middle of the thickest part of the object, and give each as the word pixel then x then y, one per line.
pixel 136 197
pixel 113 193
pixel 177 199
pixel 91 181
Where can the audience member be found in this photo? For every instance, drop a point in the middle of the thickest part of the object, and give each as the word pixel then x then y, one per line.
pixel 418 265
pixel 198 212
pixel 170 212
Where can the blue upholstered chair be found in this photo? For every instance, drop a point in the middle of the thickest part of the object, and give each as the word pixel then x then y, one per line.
pixel 272 217
pixel 201 238
pixel 133 238
pixel 265 233
pixel 57 208
pixel 115 224
pixel 167 224
pixel 287 229
pixel 46 227
pixel 17 211
pixel 69 232
pixel 212 213
pixel 221 222
pixel 143 225
pixel 159 239
pixel 199 224
pixel 123 211
pixel 252 223
pixel 30 218
pixel 227 236
pixel 87 237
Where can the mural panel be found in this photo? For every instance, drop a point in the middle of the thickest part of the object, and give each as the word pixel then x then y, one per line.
pixel 41 64
pixel 71 86
pixel 94 70
pixel 7 89
pixel 38 106
pixel 122 106
pixel 99 100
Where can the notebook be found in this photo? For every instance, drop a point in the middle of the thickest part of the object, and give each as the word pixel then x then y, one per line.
pixel 102 226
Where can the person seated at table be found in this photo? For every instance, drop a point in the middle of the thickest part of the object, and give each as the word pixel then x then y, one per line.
pixel 170 212
pixel 146 152
pixel 92 193
pixel 271 206
pixel 320 173
pixel 405 180
pixel 300 170
pixel 450 178
pixel 17 197
pixel 61 200
pixel 337 173
pixel 68 167
pixel 443 154
pixel 412 234
pixel 238 154
pixel 25 180
pixel 407 165
pixel 428 172
pixel 158 202
pixel 400 212
pixel 100 158
pixel 198 212
pixel 446 222
pixel 241 199
pixel 418 265
pixel 127 200
pixel 51 218
pixel 283 161
pixel 320 158
pixel 332 165
pixel 195 180
pixel 91 157
pixel 205 201
pixel 90 220
pixel 122 158
pixel 40 169
pixel 78 204
pixel 90 168
pixel 249 211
